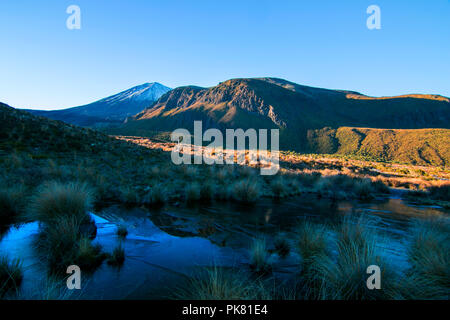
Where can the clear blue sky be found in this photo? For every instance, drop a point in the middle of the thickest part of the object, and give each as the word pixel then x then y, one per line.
pixel 126 43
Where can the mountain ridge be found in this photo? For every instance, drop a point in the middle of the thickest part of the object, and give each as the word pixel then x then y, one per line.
pixel 294 109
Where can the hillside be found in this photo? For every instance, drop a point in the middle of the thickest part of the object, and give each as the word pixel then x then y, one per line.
pixel 111 110
pixel 418 147
pixel 293 108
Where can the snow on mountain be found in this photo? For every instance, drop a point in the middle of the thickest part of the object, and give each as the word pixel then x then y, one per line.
pixel 113 109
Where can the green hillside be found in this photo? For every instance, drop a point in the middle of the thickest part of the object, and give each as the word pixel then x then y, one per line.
pixel 419 146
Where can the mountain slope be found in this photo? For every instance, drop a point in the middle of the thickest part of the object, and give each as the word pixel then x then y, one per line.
pixel 294 109
pixel 413 146
pixel 113 109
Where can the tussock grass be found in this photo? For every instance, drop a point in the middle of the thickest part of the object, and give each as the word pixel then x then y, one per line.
pixel 122 231
pixel 129 196
pixel 429 256
pixel 247 190
pixel 345 277
pixel 312 242
pixel 207 191
pixel 260 257
pixel 117 257
pixel 56 199
pixel 280 187
pixel 221 284
pixel 156 196
pixel 12 204
pixel 11 275
pixel 192 192
pixel 62 243
pixel 282 246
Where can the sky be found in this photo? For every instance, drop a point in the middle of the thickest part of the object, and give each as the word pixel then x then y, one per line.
pixel 45 65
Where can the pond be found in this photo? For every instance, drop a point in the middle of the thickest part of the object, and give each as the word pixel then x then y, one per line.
pixel 166 245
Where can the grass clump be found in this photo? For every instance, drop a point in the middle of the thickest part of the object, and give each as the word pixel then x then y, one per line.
pixel 57 199
pixel 429 256
pixel 156 196
pixel 221 284
pixel 280 187
pixel 62 243
pixel 282 246
pixel 312 241
pixel 246 190
pixel 192 192
pixel 122 231
pixel 259 257
pixel 12 203
pixel 117 258
pixel 345 277
pixel 11 275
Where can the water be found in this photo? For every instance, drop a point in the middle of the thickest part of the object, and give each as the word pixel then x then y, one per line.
pixel 166 245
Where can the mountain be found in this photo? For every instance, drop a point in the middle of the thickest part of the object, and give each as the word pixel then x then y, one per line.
pixel 110 110
pixel 297 110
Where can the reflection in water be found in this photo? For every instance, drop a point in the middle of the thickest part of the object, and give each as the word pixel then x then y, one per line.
pixel 166 245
